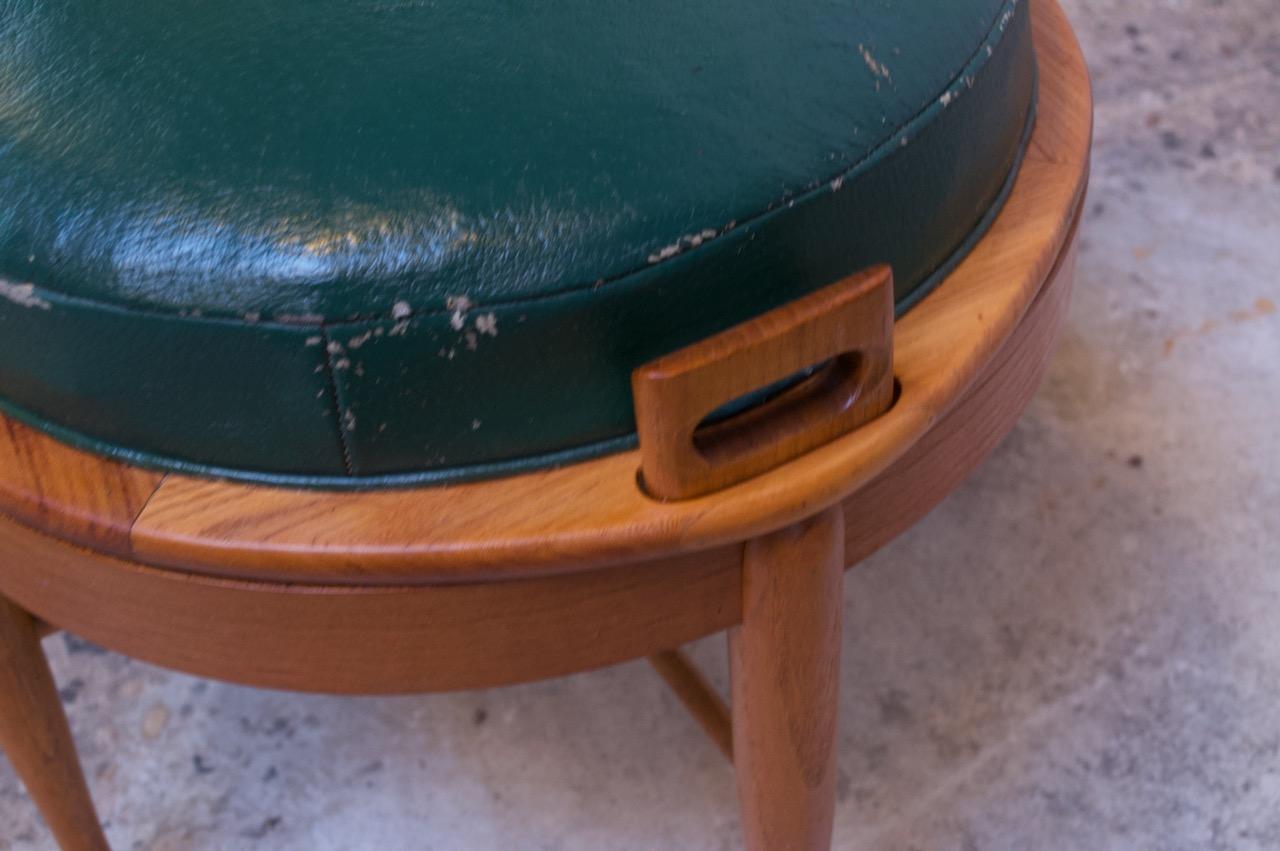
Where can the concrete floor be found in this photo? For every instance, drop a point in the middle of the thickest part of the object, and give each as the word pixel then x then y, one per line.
pixel 1080 649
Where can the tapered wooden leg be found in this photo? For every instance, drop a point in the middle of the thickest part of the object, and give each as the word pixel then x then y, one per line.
pixel 785 667
pixel 34 734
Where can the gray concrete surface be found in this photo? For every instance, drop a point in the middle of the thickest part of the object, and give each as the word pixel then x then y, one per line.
pixel 1080 649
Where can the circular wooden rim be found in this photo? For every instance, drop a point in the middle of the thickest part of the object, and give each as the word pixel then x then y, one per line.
pixel 592 513
pixel 378 638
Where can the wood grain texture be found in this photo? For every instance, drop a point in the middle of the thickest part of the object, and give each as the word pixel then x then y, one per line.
pixel 480 634
pixel 593 514
pixel 703 702
pixel 937 464
pixel 785 668
pixel 35 736
pixel 590 514
pixel 376 640
pixel 399 591
pixel 72 494
pixel 848 326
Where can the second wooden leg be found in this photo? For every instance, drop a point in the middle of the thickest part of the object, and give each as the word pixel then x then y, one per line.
pixel 34 734
pixel 785 668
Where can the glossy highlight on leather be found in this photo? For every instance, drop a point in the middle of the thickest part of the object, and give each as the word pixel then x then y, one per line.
pixel 378 243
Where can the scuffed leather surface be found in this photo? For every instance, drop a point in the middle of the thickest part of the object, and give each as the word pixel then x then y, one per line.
pixel 236 235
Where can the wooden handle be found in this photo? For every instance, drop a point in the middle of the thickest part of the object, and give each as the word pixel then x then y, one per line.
pixel 845 330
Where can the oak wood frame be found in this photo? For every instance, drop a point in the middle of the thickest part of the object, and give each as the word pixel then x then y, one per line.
pixel 341 592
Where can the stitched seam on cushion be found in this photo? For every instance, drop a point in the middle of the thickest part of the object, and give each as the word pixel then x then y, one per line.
pixel 466 472
pixel 331 384
pixel 972 66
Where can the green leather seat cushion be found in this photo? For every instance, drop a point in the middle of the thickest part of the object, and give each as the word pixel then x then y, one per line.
pixel 343 243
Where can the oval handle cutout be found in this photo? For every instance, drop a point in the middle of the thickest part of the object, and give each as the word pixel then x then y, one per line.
pixel 845 328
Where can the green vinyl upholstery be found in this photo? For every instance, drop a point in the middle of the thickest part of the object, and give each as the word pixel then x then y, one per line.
pixel 341 243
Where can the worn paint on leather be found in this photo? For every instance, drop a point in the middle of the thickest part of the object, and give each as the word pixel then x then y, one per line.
pixel 380 242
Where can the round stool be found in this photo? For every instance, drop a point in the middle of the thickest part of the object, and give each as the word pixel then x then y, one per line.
pixel 773 451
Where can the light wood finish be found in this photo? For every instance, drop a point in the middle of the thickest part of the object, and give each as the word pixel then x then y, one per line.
pixel 71 494
pixel 377 640
pixel 558 571
pixel 593 514
pixel 785 668
pixel 35 736
pixel 703 702
pixel 299 636
pixel 849 324
pixel 952 449
pixel 542 523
